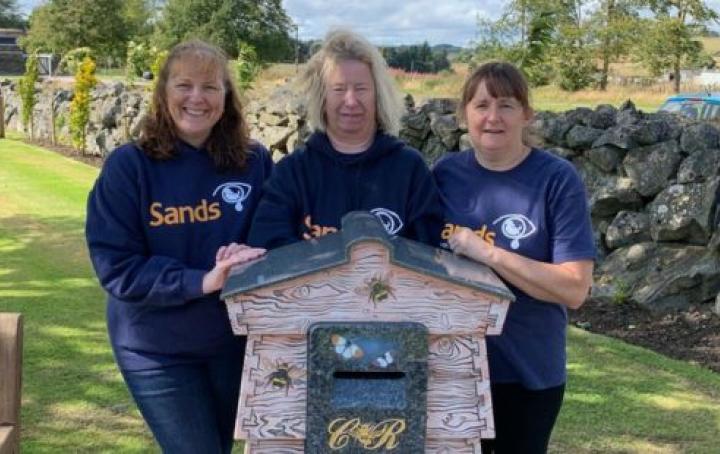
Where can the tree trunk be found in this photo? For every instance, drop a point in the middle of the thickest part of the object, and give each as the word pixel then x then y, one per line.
pixel 676 71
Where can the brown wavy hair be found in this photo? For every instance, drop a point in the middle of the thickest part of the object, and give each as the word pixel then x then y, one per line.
pixel 228 142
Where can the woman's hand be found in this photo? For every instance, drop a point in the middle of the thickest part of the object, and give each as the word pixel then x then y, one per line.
pixel 563 283
pixel 464 242
pixel 225 258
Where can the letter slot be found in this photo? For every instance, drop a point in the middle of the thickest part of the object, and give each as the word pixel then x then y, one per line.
pixel 367 387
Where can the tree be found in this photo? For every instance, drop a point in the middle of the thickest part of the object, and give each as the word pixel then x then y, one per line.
pixel 27 91
pixel 262 24
pixel 672 34
pixel 613 27
pixel 62 25
pixel 9 15
pixel 80 105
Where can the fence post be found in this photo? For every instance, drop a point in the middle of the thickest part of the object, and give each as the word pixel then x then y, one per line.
pixel 52 118
pixel 2 116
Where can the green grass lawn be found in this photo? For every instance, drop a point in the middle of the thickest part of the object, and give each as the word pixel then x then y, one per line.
pixel 620 399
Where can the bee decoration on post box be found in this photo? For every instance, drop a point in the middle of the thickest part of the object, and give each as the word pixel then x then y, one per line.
pixel 283 376
pixel 377 288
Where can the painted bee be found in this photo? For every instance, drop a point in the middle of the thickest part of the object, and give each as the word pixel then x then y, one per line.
pixel 345 348
pixel 377 288
pixel 284 377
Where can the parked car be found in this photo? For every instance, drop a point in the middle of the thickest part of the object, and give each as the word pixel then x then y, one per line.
pixel 698 106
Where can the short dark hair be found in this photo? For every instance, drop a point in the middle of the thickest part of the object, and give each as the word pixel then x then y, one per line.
pixel 228 142
pixel 502 80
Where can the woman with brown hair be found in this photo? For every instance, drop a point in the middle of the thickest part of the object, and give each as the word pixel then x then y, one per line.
pixel 163 225
pixel 523 212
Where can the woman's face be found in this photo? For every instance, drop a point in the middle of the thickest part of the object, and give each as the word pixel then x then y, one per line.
pixel 495 125
pixel 196 100
pixel 350 102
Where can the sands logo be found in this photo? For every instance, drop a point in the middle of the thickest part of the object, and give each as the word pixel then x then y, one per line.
pixel 234 193
pixel 483 232
pixel 172 215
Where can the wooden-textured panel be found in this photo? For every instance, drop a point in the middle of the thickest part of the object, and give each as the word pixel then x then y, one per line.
pixel 458 400
pixel 369 288
pixel 432 446
pixel 459 403
pixel 265 409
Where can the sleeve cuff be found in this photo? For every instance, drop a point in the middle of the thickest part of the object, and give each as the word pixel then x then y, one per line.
pixel 192 283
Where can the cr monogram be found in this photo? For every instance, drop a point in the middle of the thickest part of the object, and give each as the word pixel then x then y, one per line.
pixel 370 436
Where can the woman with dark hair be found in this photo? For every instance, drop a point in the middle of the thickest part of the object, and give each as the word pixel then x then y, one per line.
pixel 353 159
pixel 523 212
pixel 163 225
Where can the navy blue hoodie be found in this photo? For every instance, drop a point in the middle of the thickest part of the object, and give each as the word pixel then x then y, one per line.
pixel 312 188
pixel 153 228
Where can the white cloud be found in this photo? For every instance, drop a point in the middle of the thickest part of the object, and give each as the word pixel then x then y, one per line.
pixel 394 22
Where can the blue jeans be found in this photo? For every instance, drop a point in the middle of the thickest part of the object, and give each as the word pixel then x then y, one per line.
pixel 190 408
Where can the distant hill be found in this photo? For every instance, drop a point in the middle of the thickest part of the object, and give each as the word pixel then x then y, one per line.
pixel 449 48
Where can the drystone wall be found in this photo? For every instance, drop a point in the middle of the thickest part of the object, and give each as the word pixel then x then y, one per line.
pixel 653 179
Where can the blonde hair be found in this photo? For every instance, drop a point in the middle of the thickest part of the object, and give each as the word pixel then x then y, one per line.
pixel 343 45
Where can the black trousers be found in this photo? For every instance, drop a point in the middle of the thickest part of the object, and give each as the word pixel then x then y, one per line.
pixel 524 418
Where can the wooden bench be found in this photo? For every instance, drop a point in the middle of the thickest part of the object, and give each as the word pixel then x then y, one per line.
pixel 11 334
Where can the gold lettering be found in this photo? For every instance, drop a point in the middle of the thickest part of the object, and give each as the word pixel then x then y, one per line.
pixel 383 435
pixel 490 238
pixel 201 211
pixel 483 233
pixel 214 210
pixel 183 214
pixel 183 210
pixel 171 216
pixel 447 231
pixel 156 214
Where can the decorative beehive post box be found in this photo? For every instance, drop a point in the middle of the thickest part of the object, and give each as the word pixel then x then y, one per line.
pixel 363 342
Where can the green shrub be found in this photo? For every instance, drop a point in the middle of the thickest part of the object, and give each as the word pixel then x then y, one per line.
pixel 71 61
pixel 156 65
pixel 85 80
pixel 27 90
pixel 142 57
pixel 247 66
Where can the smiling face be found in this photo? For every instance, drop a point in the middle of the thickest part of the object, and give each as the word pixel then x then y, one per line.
pixel 495 124
pixel 350 102
pixel 195 99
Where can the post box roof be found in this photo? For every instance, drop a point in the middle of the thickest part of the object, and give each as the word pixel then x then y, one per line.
pixel 332 250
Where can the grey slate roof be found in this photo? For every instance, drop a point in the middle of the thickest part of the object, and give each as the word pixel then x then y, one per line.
pixel 307 257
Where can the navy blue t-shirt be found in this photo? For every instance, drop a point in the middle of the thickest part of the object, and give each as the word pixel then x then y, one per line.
pixel 539 210
pixel 153 228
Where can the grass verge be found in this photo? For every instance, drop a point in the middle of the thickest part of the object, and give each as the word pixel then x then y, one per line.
pixel 620 398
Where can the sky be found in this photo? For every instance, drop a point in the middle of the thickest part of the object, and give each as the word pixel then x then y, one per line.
pixel 384 22
pixel 389 22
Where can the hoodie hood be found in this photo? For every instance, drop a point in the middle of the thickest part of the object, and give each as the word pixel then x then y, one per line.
pixel 382 145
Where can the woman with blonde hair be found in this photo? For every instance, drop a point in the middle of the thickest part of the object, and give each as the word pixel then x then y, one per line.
pixel 353 159
pixel 163 220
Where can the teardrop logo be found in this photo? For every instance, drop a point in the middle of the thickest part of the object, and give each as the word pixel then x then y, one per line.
pixel 390 220
pixel 234 193
pixel 515 227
